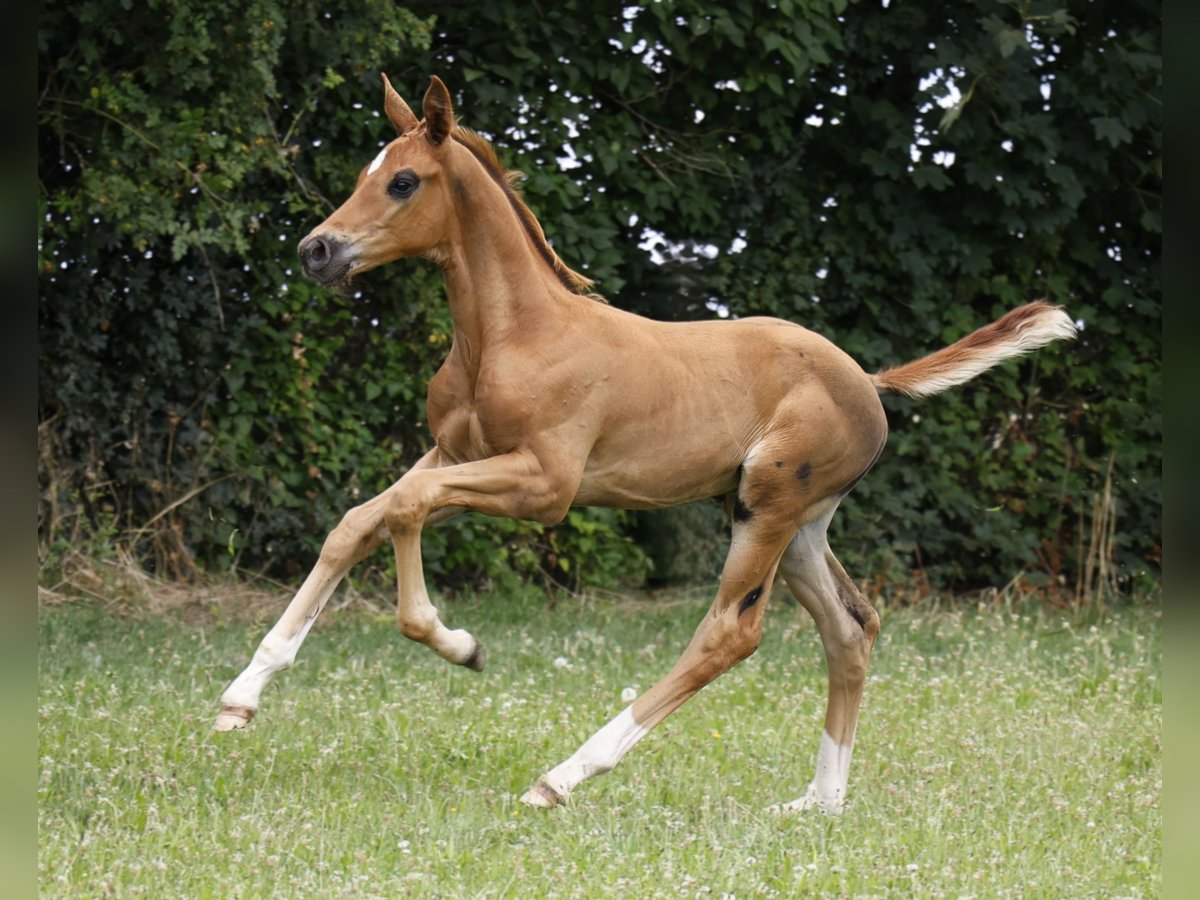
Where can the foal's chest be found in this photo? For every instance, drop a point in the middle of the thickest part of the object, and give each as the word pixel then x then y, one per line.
pixel 475 418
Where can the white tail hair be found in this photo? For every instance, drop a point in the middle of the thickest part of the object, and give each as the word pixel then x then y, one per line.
pixel 1024 329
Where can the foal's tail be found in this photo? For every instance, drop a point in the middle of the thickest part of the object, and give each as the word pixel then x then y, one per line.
pixel 1025 328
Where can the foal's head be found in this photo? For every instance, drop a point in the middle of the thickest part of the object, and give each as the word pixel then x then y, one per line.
pixel 401 205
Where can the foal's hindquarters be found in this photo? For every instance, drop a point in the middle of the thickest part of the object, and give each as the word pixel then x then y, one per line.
pixel 824 431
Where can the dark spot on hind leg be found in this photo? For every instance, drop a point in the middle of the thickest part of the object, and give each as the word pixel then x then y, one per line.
pixel 856 605
pixel 750 599
pixel 855 614
pixel 741 512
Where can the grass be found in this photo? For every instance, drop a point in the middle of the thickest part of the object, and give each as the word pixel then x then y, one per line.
pixel 1004 751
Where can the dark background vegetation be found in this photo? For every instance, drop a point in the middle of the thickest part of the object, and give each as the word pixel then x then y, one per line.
pixel 201 406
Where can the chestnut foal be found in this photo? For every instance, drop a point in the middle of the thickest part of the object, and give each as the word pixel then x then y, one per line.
pixel 549 399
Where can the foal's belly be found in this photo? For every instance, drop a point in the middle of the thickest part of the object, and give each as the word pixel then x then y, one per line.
pixel 664 476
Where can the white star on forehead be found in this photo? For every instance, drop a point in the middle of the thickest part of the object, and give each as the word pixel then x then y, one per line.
pixel 377 161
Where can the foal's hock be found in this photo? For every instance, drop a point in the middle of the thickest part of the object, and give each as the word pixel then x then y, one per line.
pixel 549 399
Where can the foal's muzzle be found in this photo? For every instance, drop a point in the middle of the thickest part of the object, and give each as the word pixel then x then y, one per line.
pixel 324 259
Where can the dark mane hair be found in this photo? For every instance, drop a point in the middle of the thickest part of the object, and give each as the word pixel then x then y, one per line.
pixel 483 151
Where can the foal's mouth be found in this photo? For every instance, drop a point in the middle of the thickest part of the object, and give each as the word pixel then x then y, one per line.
pixel 340 281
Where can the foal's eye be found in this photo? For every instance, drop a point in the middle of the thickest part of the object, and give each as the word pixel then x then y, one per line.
pixel 403 184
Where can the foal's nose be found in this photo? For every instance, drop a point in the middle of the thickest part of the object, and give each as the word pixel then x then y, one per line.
pixel 315 254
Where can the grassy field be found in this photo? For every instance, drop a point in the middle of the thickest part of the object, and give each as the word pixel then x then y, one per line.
pixel 1003 751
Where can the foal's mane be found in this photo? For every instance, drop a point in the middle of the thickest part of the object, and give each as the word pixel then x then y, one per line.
pixel 483 151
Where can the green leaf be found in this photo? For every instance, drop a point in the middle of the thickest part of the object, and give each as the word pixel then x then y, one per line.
pixel 620 78
pixel 1111 130
pixel 331 79
pixel 1009 40
pixel 931 176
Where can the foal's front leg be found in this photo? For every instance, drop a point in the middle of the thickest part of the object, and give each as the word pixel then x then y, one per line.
pixel 514 484
pixel 361 530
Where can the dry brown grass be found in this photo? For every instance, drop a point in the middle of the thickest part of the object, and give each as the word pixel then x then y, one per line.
pixel 125 588
pixel 1098 579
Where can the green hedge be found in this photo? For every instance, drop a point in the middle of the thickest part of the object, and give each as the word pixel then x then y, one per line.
pixel 205 404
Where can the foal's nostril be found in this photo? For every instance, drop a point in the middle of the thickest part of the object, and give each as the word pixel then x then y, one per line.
pixel 315 254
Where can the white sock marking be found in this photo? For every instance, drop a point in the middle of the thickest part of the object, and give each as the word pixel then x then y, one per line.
pixel 599 753
pixel 827 791
pixel 275 653
pixel 454 645
pixel 833 771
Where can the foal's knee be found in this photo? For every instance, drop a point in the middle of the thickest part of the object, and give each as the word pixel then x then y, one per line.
pixel 868 620
pixel 407 508
pixel 354 537
pixel 860 618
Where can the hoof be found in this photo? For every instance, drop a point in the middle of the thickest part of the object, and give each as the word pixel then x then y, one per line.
pixel 477 659
pixel 542 796
pixel 805 803
pixel 231 717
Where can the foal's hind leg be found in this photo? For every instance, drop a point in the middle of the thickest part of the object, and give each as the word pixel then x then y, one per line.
pixel 764 521
pixel 848 626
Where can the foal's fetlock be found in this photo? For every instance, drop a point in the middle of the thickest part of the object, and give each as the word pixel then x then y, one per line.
pixel 231 717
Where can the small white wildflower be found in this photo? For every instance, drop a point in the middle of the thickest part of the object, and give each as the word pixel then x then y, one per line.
pixel 560 662
pixel 629 695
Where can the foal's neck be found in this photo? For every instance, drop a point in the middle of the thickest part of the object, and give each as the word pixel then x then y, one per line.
pixel 498 285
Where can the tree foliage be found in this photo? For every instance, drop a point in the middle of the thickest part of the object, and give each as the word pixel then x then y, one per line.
pixel 891 176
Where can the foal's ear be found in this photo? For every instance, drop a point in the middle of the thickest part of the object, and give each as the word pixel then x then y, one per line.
pixel 397 110
pixel 439 112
